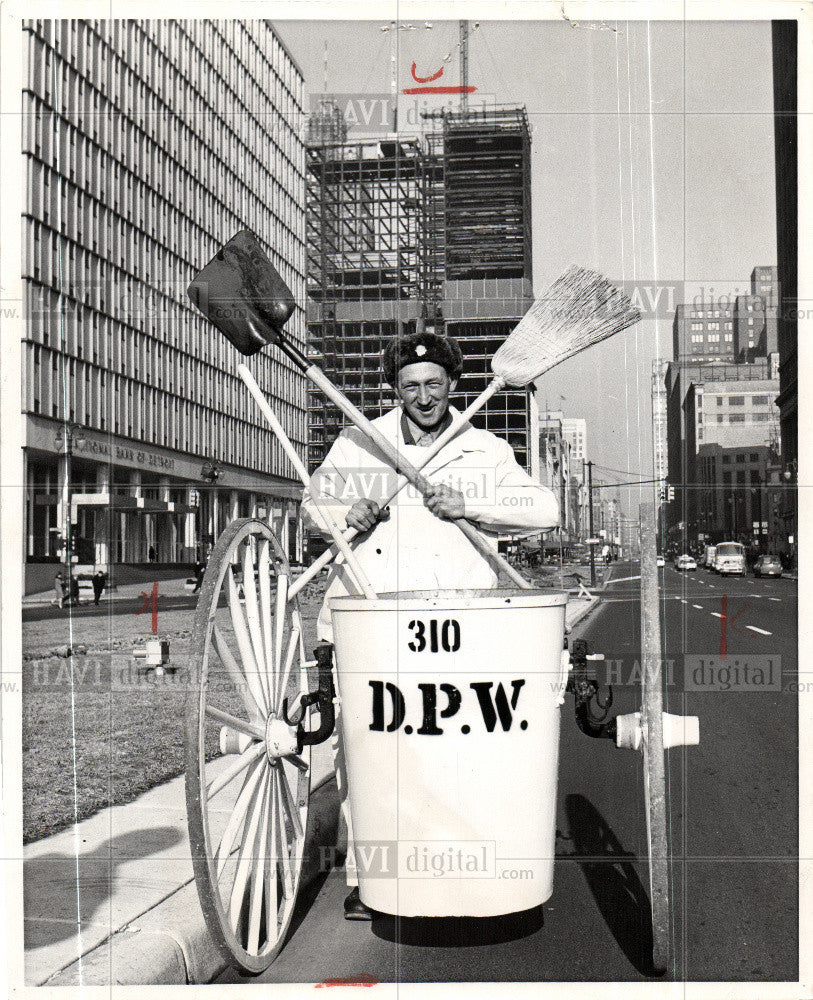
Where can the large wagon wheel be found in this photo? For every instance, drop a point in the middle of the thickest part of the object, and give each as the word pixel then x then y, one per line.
pixel 246 787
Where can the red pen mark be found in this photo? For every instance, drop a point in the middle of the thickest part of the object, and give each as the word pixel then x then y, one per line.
pixel 438 90
pixel 154 597
pixel 727 623
pixel 425 79
pixel 363 979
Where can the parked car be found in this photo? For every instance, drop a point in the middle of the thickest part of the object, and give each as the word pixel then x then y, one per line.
pixel 660 562
pixel 685 562
pixel 730 559
pixel 768 565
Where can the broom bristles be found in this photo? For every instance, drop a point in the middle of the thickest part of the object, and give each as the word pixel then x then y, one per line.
pixel 579 309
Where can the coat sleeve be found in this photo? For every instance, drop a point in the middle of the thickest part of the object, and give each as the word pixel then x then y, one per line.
pixel 518 503
pixel 329 483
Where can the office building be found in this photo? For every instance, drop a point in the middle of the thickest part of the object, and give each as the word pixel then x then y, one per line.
pixel 732 406
pixel 147 145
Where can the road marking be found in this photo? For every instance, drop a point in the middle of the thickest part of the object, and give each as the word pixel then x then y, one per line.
pixel 700 606
pixel 760 630
pixel 717 614
pixel 683 600
pixel 774 598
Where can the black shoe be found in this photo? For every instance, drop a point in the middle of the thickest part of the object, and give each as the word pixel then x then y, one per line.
pixel 354 909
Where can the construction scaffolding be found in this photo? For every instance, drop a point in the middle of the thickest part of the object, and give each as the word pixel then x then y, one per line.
pixel 364 221
pixel 409 232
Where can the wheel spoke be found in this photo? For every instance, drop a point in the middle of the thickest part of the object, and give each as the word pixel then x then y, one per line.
pixel 282 844
pixel 247 855
pixel 261 862
pixel 253 616
pixel 288 799
pixel 241 682
pixel 285 671
pixel 249 728
pixel 279 625
pixel 241 633
pixel 266 619
pixel 241 806
pixel 271 892
pixel 248 756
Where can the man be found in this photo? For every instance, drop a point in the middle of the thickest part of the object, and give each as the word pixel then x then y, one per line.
pixel 98 585
pixel 415 545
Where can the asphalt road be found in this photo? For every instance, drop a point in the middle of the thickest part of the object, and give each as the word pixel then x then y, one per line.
pixel 733 823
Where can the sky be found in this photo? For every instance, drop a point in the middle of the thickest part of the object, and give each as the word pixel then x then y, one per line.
pixel 652 162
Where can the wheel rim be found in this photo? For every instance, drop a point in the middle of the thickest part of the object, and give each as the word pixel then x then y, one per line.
pixel 247 790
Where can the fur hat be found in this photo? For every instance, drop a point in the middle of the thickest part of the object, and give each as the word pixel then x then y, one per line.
pixel 420 347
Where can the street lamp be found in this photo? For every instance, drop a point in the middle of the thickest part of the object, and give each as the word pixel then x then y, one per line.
pixel 67 438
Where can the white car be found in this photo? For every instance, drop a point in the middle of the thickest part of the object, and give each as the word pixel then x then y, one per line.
pixel 685 562
pixel 660 562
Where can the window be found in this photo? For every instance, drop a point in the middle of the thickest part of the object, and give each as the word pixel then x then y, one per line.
pixel 714 338
pixel 726 459
pixel 736 400
pixel 720 418
pixel 720 400
pixel 740 459
pixel 753 457
pixel 737 418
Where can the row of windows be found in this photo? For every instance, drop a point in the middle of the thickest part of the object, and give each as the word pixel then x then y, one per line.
pixel 117 244
pixel 63 387
pixel 743 418
pixel 740 459
pixel 740 400
pixel 221 80
pixel 208 200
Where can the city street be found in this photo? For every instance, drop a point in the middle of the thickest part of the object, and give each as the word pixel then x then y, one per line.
pixel 733 817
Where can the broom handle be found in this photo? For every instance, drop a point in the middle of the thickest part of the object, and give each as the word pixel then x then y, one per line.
pixel 318 377
pixel 360 576
pixel 427 454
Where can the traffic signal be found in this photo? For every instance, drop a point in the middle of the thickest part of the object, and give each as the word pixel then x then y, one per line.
pixel 671 493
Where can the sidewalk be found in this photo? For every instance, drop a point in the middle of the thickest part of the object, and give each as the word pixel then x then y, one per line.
pixel 113 900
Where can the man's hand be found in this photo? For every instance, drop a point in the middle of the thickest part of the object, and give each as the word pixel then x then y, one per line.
pixel 444 502
pixel 365 514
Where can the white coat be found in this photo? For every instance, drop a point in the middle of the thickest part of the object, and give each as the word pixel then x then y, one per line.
pixel 414 549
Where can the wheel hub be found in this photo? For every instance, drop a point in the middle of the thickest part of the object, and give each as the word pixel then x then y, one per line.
pixel 280 738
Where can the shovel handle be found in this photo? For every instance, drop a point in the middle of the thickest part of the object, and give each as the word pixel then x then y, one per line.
pixel 398 462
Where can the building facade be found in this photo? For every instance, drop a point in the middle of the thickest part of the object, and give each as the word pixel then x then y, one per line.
pixel 730 406
pixel 147 145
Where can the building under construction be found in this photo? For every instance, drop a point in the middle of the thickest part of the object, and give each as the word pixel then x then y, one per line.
pixel 408 233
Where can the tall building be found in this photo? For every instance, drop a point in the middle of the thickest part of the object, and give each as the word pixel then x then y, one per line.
pixel 732 406
pixel 147 145
pixel 755 316
pixel 703 332
pixel 364 226
pixel 785 39
pixel 659 429
pixel 420 232
pixel 575 430
pixel 477 255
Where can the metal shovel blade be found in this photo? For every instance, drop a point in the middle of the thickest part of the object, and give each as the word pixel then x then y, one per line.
pixel 241 292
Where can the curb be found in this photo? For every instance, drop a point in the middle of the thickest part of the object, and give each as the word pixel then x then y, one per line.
pixel 171 945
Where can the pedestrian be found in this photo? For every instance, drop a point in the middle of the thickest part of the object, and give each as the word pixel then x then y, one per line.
pixel 99 578
pixel 200 568
pixel 59 590
pixel 74 590
pixel 415 546
pixel 151 553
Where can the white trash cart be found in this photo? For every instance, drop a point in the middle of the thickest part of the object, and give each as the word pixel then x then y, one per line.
pixel 450 704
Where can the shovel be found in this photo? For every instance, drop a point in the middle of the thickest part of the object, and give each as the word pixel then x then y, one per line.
pixel 242 294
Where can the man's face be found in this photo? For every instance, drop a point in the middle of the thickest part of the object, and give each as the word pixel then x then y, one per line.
pixel 424 390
